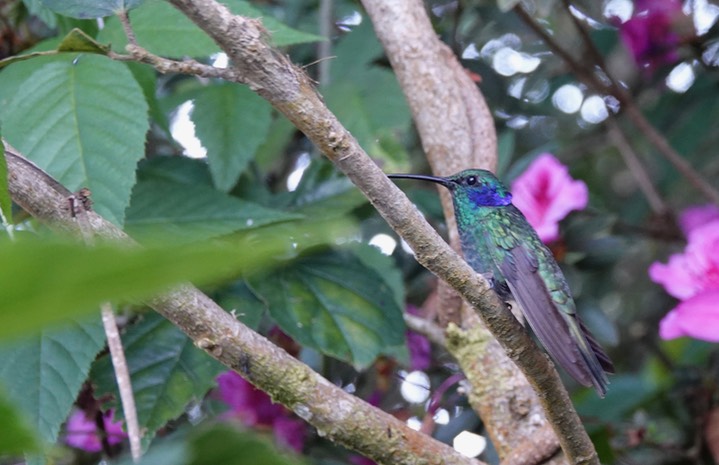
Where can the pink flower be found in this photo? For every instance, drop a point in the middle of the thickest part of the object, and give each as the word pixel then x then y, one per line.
pixel 81 431
pixel 692 277
pixel 698 215
pixel 255 408
pixel 696 317
pixel 546 193
pixel 651 33
pixel 696 269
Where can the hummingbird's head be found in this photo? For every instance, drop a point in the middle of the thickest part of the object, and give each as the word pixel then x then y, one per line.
pixel 478 188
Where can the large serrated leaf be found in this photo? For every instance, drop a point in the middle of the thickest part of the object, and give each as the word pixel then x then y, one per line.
pixel 231 121
pixel 184 212
pixel 84 122
pixel 84 9
pixel 42 374
pixel 334 303
pixel 165 31
pixel 166 369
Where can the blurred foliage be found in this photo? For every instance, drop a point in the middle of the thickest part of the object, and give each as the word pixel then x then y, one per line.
pixel 119 129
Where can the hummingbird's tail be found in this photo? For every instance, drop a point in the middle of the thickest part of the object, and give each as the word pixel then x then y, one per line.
pixel 596 362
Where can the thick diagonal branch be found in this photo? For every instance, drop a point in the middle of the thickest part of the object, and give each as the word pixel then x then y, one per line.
pixel 289 90
pixel 457 132
pixel 336 414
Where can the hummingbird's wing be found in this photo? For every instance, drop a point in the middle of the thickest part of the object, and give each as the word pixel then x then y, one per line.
pixel 544 297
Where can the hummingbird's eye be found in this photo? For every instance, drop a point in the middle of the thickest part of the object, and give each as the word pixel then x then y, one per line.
pixel 471 181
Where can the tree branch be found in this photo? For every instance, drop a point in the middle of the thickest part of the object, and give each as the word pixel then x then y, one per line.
pixel 339 416
pixel 289 90
pixel 457 131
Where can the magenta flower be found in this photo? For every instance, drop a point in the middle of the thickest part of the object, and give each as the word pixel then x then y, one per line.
pixel 81 431
pixel 651 33
pixel 546 193
pixel 696 216
pixel 255 408
pixel 693 278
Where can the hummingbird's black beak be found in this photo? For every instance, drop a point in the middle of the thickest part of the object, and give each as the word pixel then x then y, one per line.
pixel 437 179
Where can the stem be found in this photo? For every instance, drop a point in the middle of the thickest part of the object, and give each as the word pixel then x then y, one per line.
pixel 124 384
pixel 428 329
pixel 324 48
pixel 80 205
pixel 127 27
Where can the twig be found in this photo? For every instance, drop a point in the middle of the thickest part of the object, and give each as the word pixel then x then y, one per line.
pixel 426 328
pixel 273 76
pixel 343 418
pixel 627 104
pixel 127 27
pixel 324 48
pixel 124 384
pixel 635 166
pixel 79 206
pixel 164 65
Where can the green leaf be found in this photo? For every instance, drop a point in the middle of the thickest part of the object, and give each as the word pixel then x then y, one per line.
pixel 84 122
pixel 83 9
pixel 166 369
pixel 181 170
pixel 384 266
pixel 626 394
pixel 75 279
pixel 78 41
pixel 322 193
pixel 37 9
pixel 166 452
pixel 334 303
pixel 42 374
pixel 183 212
pixel 215 444
pixel 232 122
pixel 368 99
pixel 5 200
pixel 165 31
pixel 224 445
pixel 18 437
pixel 12 77
pixel 243 303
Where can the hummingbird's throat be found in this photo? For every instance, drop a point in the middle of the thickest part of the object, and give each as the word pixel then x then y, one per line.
pixel 490 198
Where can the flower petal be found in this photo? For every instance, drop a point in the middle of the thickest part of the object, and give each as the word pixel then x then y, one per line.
pixel 697 317
pixel 545 193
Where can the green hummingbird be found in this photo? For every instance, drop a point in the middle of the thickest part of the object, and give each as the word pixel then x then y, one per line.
pixel 498 241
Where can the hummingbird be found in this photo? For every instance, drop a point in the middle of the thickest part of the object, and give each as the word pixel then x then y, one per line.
pixel 498 242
